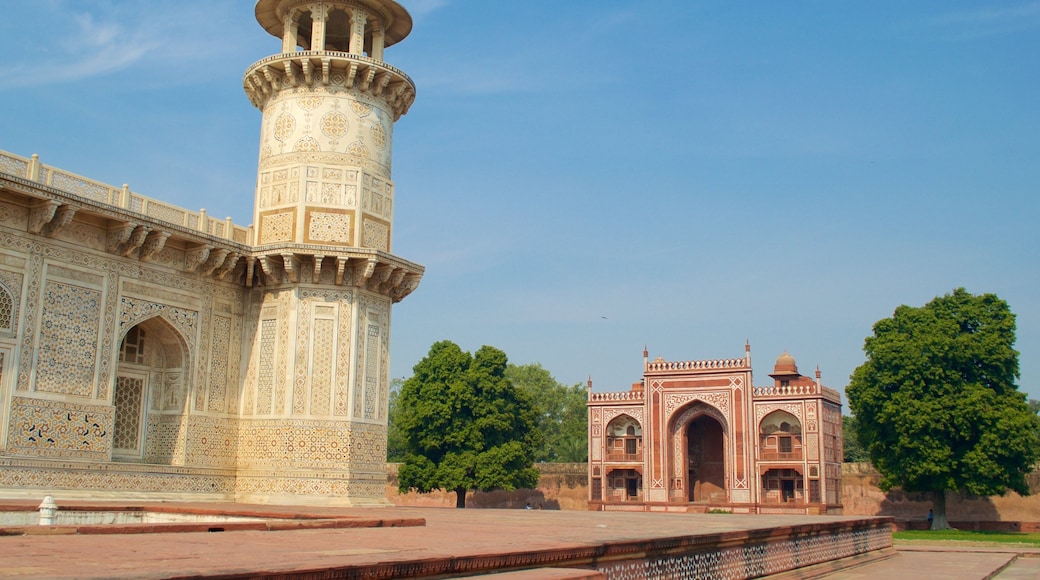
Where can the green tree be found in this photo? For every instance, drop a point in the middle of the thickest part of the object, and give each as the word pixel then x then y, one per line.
pixel 854 451
pixel 396 446
pixel 936 402
pixel 560 413
pixel 465 426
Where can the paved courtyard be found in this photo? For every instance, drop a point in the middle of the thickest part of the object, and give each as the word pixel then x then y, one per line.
pixel 448 533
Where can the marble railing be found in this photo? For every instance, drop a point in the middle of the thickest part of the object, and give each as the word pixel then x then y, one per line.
pixel 791 390
pixel 121 197
pixel 727 363
pixel 619 396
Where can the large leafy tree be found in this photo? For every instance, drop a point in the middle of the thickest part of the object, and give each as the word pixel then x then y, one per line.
pixel 854 451
pixel 465 426
pixel 396 446
pixel 936 402
pixel 560 413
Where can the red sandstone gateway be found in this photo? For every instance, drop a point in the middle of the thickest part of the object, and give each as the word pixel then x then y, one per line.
pixel 696 436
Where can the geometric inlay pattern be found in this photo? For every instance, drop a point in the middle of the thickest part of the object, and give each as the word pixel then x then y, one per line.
pixel 309 102
pixel 266 379
pixel 68 339
pixel 378 136
pixel 371 370
pixel 360 109
pixel 132 311
pixel 284 126
pixel 276 227
pixel 59 429
pixel 6 309
pixel 329 227
pixel 375 235
pixel 322 369
pixel 10 284
pixel 334 124
pixel 308 144
pixel 754 559
pixel 127 398
pixel 219 377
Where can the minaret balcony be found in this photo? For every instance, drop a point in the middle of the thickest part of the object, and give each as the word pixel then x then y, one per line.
pixel 322 68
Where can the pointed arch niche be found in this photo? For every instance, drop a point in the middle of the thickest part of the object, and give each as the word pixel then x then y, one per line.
pixel 700 448
pixel 151 394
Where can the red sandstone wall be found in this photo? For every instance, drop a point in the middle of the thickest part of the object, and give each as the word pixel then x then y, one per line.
pixel 862 497
pixel 561 486
pixel 565 486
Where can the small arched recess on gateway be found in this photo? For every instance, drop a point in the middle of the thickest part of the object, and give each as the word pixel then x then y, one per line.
pixel 624 439
pixel 781 452
pixel 625 445
pixel 151 394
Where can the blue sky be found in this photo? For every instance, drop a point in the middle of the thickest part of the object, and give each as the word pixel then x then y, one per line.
pixel 582 178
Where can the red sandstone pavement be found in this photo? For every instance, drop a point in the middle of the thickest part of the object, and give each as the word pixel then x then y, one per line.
pixel 448 533
pixel 950 560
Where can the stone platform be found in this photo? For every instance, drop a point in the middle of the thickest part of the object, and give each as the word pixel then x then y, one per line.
pixel 514 544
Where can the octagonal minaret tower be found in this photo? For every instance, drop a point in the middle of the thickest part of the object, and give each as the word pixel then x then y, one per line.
pixel 322 276
pixel 329 103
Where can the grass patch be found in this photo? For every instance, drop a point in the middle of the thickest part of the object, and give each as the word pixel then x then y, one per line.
pixel 969 536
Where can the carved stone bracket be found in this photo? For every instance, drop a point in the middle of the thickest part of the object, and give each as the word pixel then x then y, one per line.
pixel 228 266
pixel 137 238
pixel 41 214
pixel 316 274
pixel 62 217
pixel 196 257
pixel 370 268
pixel 406 287
pixel 250 270
pixel 118 235
pixel 291 263
pixel 341 266
pixel 393 281
pixel 153 244
pixel 268 268
pixel 214 261
pixel 380 276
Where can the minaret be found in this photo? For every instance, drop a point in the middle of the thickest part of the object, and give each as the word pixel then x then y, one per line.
pixel 329 103
pixel 322 274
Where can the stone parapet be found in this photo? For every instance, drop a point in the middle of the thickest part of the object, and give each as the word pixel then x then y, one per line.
pixel 121 197
pixel 320 68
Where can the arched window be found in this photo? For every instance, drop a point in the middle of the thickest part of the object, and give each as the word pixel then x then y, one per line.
pixel 780 437
pixel 6 309
pixel 624 439
pixel 150 382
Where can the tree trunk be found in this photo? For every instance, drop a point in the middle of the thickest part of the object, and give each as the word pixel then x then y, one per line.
pixel 460 497
pixel 939 521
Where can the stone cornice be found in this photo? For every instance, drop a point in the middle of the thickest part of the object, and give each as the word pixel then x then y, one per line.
pixel 134 235
pixel 314 68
